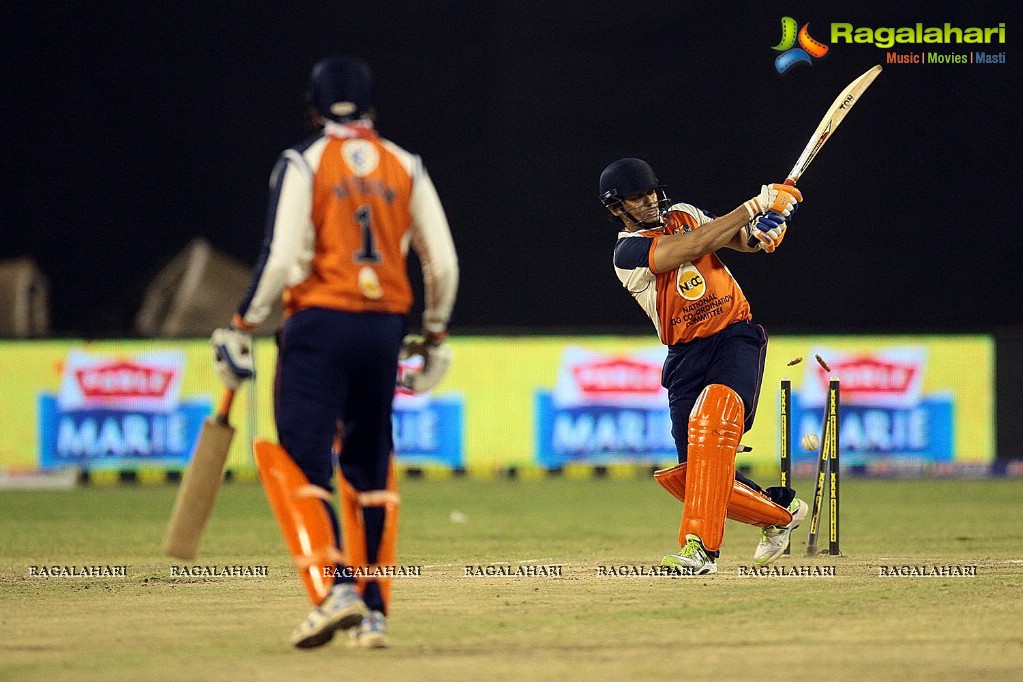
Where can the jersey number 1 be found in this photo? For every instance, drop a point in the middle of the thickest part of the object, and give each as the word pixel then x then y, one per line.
pixel 367 252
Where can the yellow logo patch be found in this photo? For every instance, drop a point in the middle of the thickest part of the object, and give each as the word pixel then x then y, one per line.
pixel 690 283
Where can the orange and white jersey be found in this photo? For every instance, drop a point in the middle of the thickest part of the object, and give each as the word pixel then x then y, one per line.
pixel 344 209
pixel 695 300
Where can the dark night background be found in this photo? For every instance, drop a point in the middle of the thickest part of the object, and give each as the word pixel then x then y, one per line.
pixel 133 127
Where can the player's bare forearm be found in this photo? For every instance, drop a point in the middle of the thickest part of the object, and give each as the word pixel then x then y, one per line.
pixel 673 250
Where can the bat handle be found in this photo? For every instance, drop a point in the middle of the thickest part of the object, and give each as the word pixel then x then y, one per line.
pixel 752 241
pixel 224 409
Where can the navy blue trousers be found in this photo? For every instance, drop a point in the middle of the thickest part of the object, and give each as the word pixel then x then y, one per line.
pixel 733 357
pixel 337 368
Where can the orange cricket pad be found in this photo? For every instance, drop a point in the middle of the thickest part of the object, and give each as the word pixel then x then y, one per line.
pixel 673 480
pixel 749 506
pixel 715 426
pixel 353 530
pixel 746 505
pixel 388 552
pixel 353 527
pixel 298 507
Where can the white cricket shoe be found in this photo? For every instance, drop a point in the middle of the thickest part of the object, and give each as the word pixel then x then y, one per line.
pixel 692 559
pixel 343 609
pixel 371 633
pixel 774 539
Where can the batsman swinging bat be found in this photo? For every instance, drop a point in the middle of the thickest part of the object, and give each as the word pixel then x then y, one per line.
pixel 838 110
pixel 198 491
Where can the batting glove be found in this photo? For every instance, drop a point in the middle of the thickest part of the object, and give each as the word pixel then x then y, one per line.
pixel 770 230
pixel 776 198
pixel 436 362
pixel 232 356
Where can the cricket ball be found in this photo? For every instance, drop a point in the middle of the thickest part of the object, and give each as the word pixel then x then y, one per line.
pixel 811 441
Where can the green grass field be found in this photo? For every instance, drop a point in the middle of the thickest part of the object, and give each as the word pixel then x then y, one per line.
pixel 856 624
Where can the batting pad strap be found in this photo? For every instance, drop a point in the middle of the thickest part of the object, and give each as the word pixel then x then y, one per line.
pixel 299 509
pixel 379 498
pixel 310 490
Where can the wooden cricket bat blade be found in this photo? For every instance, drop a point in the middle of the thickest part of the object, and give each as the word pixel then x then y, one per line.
pixel 197 493
pixel 834 116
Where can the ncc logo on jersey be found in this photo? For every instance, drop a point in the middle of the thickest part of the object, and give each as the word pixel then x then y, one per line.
pixel 690 284
pixel 806 51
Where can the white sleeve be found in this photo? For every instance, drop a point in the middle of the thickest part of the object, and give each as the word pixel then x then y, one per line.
pixel 632 261
pixel 290 238
pixel 432 242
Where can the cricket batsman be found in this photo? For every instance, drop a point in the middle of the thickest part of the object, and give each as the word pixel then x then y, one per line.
pixel 666 257
pixel 344 208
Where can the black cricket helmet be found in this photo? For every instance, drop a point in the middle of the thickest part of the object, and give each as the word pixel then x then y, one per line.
pixel 341 88
pixel 628 177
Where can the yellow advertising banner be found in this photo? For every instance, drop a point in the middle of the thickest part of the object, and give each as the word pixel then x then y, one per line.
pixel 548 402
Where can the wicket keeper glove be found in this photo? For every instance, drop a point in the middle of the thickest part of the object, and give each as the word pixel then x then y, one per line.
pixel 232 356
pixel 436 361
pixel 770 230
pixel 775 198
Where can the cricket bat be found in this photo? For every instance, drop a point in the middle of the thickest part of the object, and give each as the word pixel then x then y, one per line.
pixel 834 116
pixel 198 490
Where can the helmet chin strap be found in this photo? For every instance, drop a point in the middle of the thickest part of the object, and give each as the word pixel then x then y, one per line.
pixel 649 225
pixel 663 203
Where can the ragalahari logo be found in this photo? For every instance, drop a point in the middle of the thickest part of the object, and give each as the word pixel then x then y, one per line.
pixel 807 50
